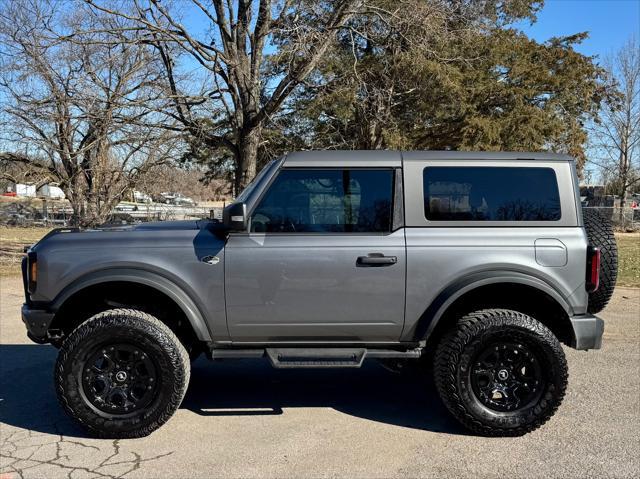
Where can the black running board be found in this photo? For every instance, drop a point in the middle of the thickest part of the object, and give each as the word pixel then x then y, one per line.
pixel 283 358
pixel 318 357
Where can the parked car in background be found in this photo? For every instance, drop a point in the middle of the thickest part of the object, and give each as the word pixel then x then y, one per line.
pixel 173 198
pixel 183 200
pixel 140 197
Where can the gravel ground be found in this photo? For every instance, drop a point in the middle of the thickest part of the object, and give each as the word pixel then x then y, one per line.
pixel 244 419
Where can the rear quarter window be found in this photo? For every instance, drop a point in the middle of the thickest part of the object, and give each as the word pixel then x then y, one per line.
pixel 486 193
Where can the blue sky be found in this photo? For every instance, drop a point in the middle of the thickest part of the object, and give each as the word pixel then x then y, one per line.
pixel 610 23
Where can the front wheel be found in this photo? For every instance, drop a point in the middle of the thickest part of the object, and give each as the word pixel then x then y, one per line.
pixel 500 372
pixel 122 374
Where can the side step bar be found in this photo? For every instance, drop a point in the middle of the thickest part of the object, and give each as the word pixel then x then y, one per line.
pixel 283 358
pixel 322 358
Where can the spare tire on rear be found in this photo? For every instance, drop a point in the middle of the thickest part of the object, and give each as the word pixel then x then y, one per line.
pixel 600 234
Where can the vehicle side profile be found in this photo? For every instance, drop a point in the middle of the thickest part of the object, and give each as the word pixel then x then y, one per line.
pixel 481 264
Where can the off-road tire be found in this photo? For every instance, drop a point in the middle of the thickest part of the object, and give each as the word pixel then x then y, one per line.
pixel 143 331
pixel 600 234
pixel 455 357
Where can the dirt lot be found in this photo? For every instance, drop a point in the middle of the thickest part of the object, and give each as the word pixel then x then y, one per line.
pixel 244 419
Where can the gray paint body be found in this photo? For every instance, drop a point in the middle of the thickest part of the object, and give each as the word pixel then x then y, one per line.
pixel 306 288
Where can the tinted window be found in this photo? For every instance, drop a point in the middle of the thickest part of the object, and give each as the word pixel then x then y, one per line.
pixel 491 194
pixel 335 200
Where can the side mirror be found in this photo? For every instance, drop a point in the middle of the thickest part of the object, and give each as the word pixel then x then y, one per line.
pixel 234 217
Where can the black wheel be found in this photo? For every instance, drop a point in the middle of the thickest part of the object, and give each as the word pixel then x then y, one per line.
pixel 600 234
pixel 122 374
pixel 500 372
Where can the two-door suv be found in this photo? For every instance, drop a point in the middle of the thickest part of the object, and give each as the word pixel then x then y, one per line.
pixel 483 263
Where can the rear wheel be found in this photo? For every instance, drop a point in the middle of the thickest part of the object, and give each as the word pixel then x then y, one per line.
pixel 500 372
pixel 122 374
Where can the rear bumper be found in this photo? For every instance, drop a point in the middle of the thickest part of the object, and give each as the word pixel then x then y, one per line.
pixel 588 330
pixel 37 322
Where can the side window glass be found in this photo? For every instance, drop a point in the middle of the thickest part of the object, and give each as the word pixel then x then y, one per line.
pixel 491 194
pixel 326 201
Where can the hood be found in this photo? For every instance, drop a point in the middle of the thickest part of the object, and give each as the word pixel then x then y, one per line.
pixel 166 231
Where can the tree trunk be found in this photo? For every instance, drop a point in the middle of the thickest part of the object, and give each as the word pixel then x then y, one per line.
pixel 624 176
pixel 76 199
pixel 247 158
pixel 77 205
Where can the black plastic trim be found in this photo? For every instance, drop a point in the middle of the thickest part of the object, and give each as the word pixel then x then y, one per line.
pixel 37 322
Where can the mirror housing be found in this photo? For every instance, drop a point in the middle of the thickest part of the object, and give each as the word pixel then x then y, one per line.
pixel 234 217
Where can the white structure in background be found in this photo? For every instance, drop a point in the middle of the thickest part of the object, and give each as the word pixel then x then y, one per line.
pixel 51 192
pixel 24 190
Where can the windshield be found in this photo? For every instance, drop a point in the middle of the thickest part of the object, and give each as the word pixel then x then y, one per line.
pixel 242 197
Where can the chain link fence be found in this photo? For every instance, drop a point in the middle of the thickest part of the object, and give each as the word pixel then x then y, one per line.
pixel 59 213
pixel 161 212
pixel 623 219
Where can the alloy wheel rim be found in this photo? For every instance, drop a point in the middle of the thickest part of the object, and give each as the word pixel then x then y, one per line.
pixel 119 378
pixel 507 376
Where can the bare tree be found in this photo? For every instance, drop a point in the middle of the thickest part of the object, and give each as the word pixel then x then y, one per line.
pixel 80 107
pixel 616 139
pixel 246 84
pixel 15 168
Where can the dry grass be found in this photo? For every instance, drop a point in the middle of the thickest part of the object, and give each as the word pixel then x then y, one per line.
pixel 12 243
pixel 629 259
pixel 14 239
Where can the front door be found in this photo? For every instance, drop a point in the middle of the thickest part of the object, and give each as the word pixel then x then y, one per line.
pixel 320 261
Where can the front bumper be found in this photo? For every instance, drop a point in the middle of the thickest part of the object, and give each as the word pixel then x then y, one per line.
pixel 588 330
pixel 37 322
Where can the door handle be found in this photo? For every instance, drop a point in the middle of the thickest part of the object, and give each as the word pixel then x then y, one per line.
pixel 376 259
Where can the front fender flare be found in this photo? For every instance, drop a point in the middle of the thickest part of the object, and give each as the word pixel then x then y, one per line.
pixel 147 278
pixel 438 307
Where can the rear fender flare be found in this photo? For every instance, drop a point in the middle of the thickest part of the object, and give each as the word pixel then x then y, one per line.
pixel 439 306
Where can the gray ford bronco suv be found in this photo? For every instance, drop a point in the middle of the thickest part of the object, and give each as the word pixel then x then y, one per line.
pixel 478 264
